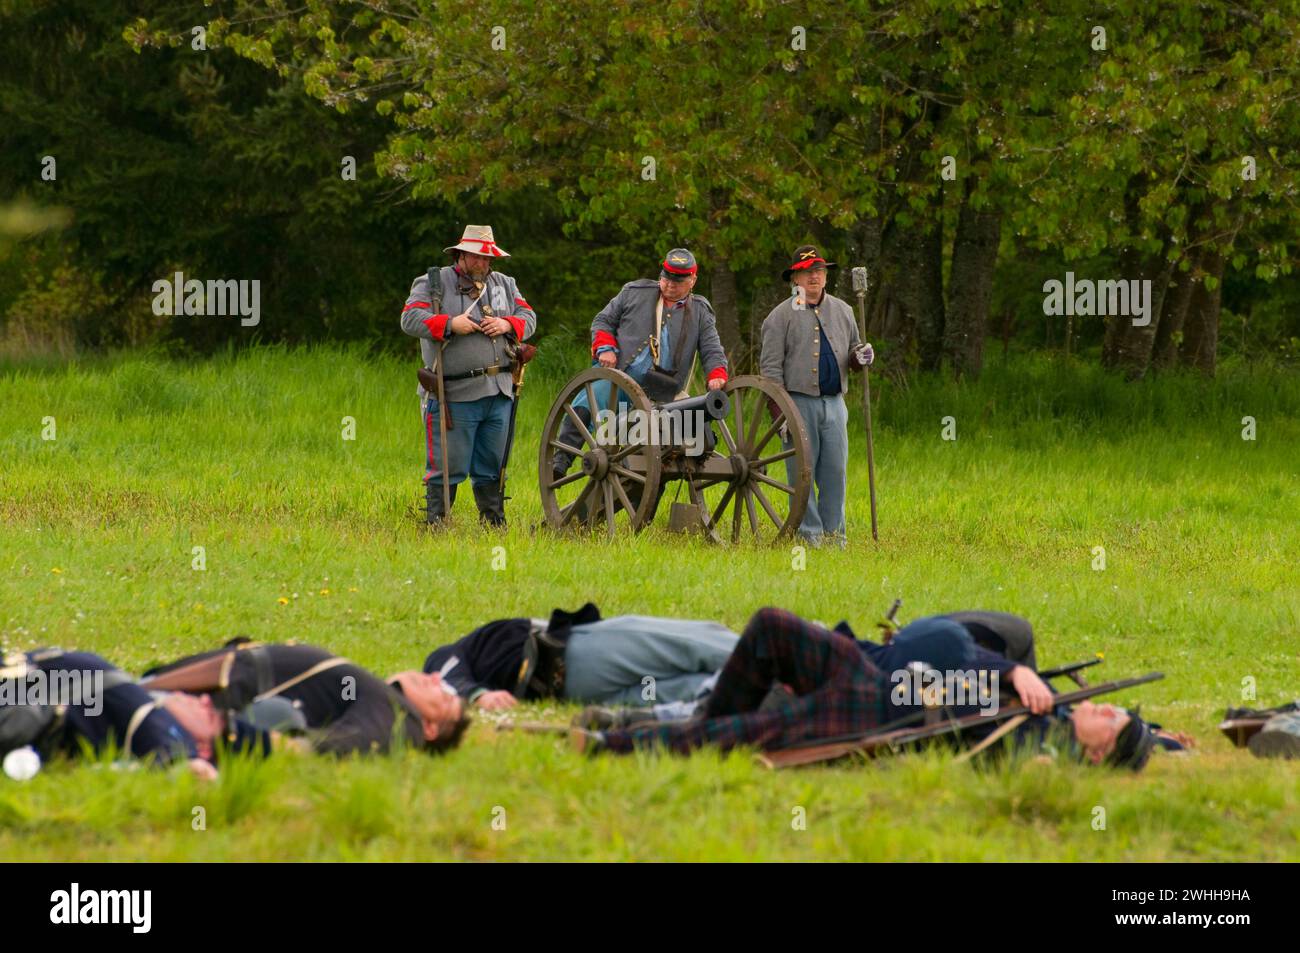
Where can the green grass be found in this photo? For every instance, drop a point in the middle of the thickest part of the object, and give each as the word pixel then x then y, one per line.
pixel 243 456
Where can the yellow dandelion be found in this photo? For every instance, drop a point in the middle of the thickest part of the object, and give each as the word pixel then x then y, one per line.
pixel 57 571
pixel 283 601
pixel 324 592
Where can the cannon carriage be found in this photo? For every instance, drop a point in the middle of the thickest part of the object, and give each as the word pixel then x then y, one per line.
pixel 740 455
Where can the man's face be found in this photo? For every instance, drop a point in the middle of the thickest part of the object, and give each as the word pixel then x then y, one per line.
pixel 1096 727
pixel 674 290
pixel 812 281
pixel 476 266
pixel 438 709
pixel 197 716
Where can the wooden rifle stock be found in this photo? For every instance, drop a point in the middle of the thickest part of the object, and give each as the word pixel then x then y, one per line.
pixel 211 674
pixel 833 749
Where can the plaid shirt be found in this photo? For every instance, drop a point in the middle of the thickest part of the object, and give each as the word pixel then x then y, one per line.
pixel 836 692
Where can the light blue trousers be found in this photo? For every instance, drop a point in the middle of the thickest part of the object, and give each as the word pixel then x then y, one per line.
pixel 827 421
pixel 641 660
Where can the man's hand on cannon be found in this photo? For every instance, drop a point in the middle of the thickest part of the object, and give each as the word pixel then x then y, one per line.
pixel 495 327
pixel 607 358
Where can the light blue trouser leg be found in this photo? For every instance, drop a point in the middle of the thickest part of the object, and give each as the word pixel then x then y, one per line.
pixel 680 690
pixel 460 441
pixel 493 416
pixel 609 660
pixel 831 464
pixel 810 409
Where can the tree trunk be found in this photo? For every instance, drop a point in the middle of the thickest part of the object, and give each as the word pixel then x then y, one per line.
pixel 970 285
pixel 1128 346
pixel 918 284
pixel 1174 314
pixel 1201 329
pixel 722 289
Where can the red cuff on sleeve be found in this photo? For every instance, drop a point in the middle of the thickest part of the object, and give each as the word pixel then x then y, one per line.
pixel 437 325
pixel 603 339
pixel 717 374
pixel 518 324
pixel 416 304
pixel 523 304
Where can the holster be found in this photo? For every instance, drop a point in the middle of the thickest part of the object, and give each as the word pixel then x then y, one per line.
pixel 541 674
pixel 429 381
pixel 523 353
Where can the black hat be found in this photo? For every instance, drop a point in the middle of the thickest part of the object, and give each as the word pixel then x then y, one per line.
pixel 805 257
pixel 678 265
pixel 1133 745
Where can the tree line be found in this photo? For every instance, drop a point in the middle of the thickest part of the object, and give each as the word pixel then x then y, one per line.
pixel 966 152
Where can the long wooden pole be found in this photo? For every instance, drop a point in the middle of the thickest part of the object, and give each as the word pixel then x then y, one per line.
pixel 860 286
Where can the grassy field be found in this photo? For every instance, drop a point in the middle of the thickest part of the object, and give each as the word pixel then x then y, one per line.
pixel 309 536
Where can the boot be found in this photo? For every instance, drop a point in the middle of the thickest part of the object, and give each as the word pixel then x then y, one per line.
pixel 433 500
pixel 491 504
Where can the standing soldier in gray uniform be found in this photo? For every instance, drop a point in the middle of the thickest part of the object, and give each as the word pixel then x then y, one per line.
pixel 474 317
pixel 623 336
pixel 810 343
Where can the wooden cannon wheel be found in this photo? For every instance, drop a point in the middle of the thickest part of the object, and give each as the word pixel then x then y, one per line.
pixel 609 483
pixel 763 477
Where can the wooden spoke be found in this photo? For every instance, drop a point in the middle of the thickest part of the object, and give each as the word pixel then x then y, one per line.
pixel 697 499
pixel 776 520
pixel 572 508
pixel 749 508
pixel 592 505
pixel 609 507
pixel 561 445
pixel 729 440
pixel 582 428
pixel 740 414
pixel 757 448
pixel 722 506
pixel 753 424
pixel 567 479
pixel 624 499
pixel 764 478
pixel 630 474
pixel 735 516
pixel 622 452
pixel 774 458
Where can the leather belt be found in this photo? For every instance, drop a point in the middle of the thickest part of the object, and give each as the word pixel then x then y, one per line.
pixel 479 372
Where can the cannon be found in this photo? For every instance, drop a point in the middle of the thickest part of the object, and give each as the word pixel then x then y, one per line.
pixel 740 455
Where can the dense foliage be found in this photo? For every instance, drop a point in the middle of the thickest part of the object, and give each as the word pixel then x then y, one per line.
pixel 965 151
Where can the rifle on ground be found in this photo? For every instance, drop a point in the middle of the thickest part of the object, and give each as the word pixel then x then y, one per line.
pixel 832 749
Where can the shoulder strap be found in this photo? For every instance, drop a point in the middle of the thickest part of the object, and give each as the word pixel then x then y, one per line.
pixel 680 346
pixel 435 288
pixel 302 677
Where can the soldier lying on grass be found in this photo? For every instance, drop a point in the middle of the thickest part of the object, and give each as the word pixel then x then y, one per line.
pixel 68 703
pixel 340 707
pixel 672 664
pixel 837 691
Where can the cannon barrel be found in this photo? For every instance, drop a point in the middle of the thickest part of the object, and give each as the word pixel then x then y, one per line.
pixel 715 404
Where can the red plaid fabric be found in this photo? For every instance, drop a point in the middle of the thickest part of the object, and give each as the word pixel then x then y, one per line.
pixel 836 692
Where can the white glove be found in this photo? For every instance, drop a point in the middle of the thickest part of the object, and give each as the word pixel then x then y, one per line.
pixel 864 354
